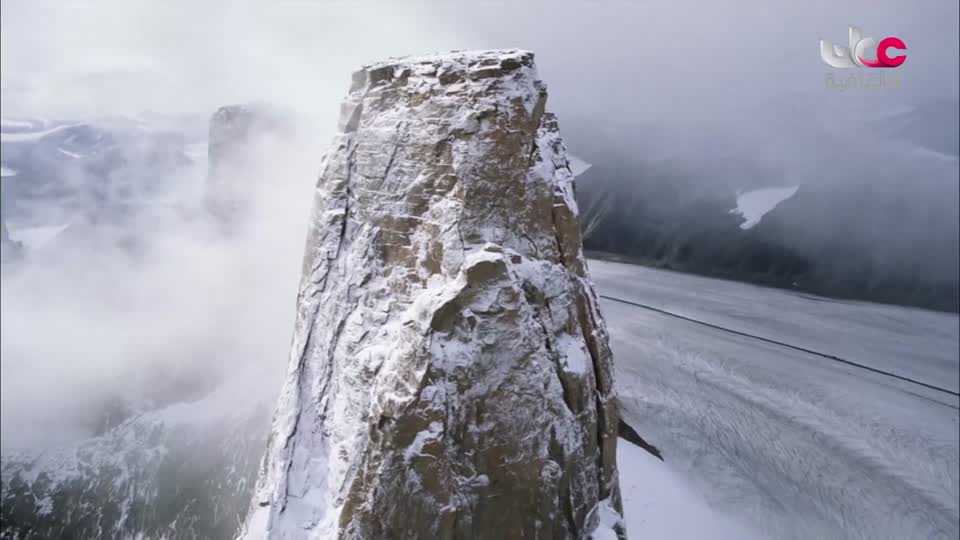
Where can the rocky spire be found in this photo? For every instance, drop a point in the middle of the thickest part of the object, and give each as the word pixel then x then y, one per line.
pixel 450 375
pixel 241 144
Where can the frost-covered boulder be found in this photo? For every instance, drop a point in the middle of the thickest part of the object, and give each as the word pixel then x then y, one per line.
pixel 450 375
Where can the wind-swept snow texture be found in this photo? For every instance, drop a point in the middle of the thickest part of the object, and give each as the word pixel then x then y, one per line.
pixel 790 444
pixel 450 375
pixel 658 503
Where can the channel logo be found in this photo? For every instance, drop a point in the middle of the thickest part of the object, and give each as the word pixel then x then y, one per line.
pixel 856 54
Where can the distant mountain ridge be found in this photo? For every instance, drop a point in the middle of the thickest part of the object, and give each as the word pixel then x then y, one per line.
pixel 874 221
pixel 61 169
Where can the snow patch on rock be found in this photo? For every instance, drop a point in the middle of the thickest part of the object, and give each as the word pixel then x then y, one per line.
pixel 753 205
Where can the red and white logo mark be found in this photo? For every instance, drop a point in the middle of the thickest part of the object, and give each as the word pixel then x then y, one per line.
pixel 856 55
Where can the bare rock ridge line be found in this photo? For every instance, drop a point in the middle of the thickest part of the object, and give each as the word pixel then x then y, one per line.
pixel 450 374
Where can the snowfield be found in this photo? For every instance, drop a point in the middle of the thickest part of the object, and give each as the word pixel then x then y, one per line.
pixel 788 443
pixel 659 503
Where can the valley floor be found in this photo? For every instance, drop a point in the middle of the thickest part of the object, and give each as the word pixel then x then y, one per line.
pixel 794 416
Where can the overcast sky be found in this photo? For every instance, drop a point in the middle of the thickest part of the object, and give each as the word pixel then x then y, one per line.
pixel 679 58
pixel 696 82
pixel 699 83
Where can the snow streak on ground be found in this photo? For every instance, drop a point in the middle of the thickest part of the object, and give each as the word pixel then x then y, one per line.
pixel 791 444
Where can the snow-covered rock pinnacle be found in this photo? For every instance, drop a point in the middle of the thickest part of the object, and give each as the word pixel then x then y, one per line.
pixel 450 375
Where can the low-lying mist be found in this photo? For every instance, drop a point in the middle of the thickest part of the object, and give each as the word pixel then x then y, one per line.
pixel 122 316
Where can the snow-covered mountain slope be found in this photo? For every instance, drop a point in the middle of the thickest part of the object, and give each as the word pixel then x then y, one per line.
pixel 183 471
pixel 56 169
pixel 874 216
pixel 789 443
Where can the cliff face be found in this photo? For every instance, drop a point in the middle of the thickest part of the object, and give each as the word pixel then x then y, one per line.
pixel 450 374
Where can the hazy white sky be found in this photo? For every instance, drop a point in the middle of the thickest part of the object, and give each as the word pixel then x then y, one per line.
pixel 86 57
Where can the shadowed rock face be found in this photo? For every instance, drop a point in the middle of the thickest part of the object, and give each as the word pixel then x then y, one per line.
pixel 450 375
